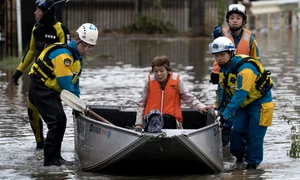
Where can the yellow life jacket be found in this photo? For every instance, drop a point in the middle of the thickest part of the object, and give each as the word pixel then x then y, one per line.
pixel 263 82
pixel 44 69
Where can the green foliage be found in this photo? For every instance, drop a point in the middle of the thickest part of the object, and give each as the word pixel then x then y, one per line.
pixel 150 25
pixel 9 62
pixel 294 151
pixel 157 4
pixel 295 145
pixel 295 137
pixel 221 11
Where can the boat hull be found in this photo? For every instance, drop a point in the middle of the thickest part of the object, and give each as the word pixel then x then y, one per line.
pixel 109 148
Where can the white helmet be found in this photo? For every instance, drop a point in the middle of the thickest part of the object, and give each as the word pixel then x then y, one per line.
pixel 221 44
pixel 88 33
pixel 237 8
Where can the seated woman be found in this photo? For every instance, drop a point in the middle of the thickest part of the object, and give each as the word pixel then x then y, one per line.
pixel 160 104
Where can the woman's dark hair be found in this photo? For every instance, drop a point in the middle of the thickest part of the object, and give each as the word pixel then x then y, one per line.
pixel 161 61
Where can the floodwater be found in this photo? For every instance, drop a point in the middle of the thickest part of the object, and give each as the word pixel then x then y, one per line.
pixel 114 75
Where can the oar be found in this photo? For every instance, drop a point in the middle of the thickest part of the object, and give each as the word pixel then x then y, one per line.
pixel 77 104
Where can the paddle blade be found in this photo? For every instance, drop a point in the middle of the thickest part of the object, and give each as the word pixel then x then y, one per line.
pixel 73 101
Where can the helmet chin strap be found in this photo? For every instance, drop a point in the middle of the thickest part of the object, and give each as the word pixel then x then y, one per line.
pixel 237 28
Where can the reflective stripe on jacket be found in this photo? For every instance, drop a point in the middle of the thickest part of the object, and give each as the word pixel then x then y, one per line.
pixel 243 46
pixel 168 101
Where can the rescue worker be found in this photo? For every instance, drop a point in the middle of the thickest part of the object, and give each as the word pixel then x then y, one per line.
pixel 244 42
pixel 57 68
pixel 244 81
pixel 163 91
pixel 46 31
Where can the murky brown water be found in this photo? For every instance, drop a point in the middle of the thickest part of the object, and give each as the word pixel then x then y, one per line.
pixel 114 75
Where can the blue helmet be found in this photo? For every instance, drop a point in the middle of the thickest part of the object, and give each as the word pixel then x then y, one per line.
pixel 44 5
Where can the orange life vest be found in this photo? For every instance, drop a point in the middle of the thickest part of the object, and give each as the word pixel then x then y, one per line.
pixel 167 101
pixel 242 48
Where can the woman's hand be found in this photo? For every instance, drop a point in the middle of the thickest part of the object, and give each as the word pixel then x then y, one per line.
pixel 138 128
pixel 206 108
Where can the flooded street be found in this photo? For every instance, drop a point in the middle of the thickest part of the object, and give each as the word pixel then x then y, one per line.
pixel 115 75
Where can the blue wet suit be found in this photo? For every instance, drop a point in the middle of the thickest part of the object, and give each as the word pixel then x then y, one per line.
pixel 247 135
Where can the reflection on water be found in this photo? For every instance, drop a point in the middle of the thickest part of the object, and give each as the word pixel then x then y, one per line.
pixel 114 75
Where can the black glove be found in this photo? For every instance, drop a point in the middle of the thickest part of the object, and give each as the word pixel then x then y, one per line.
pixel 217 32
pixel 16 77
pixel 214 78
pixel 222 121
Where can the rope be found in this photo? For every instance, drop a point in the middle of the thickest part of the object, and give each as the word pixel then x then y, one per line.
pixel 156 138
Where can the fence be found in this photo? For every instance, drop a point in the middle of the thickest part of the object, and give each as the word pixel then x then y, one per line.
pixel 193 17
pixel 7 24
pixel 185 15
